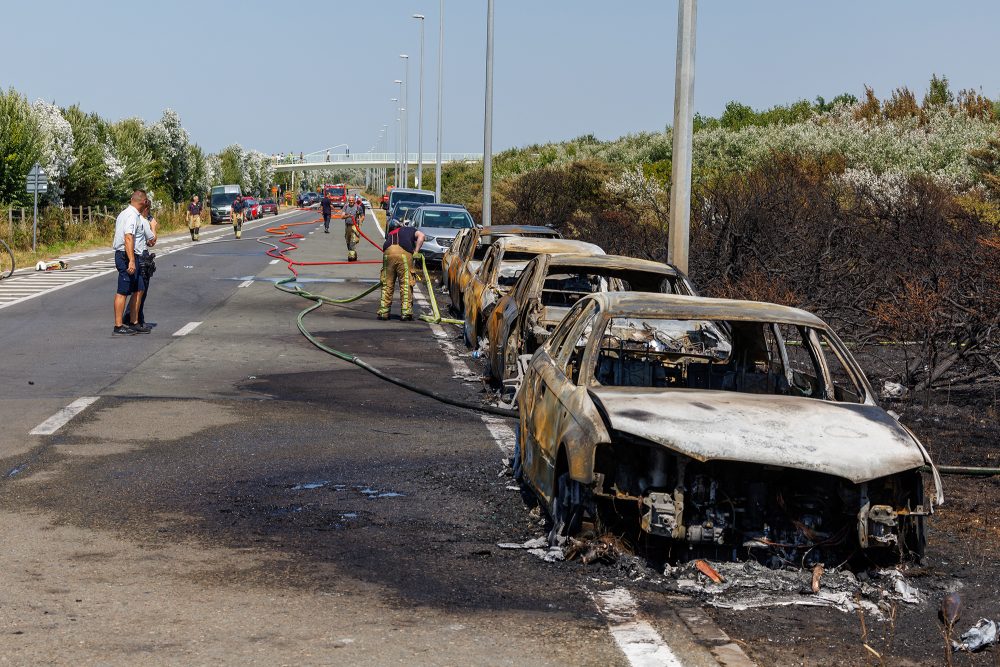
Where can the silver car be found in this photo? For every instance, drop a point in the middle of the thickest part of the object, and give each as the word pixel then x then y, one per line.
pixel 440 223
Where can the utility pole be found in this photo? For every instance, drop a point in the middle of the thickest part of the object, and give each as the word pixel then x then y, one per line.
pixel 420 108
pixel 679 233
pixel 406 119
pixel 437 163
pixel 488 122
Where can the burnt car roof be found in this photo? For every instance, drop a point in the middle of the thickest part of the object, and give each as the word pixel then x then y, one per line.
pixel 516 229
pixel 619 262
pixel 695 307
pixel 550 246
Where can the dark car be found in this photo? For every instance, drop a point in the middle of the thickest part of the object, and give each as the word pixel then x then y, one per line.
pixel 403 211
pixel 268 206
pixel 308 198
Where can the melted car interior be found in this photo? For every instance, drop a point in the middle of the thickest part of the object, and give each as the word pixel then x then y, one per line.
pixel 740 356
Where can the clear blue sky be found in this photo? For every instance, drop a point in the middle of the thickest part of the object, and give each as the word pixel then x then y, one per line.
pixel 563 67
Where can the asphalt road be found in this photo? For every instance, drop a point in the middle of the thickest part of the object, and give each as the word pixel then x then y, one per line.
pixel 235 496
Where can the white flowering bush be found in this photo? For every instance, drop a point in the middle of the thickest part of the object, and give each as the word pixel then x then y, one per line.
pixel 57 153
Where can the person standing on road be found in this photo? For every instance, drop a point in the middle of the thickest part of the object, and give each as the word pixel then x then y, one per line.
pixel 351 235
pixel 129 278
pixel 327 205
pixel 238 206
pixel 145 238
pixel 194 217
pixel 401 247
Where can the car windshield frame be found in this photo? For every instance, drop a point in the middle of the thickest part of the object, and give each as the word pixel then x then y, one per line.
pixel 458 214
pixel 823 346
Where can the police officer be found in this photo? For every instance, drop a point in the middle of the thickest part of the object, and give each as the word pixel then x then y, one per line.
pixel 194 217
pixel 401 247
pixel 145 238
pixel 327 205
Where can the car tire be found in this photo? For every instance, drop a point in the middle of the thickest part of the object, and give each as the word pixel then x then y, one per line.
pixel 568 508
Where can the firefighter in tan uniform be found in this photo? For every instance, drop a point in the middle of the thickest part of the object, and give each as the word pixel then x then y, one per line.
pixel 194 217
pixel 351 231
pixel 401 247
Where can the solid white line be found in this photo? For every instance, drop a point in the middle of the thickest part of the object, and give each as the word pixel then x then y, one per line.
pixel 638 640
pixel 59 419
pixel 274 261
pixel 246 283
pixel 187 328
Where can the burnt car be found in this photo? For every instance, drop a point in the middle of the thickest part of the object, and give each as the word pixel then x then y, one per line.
pixel 462 259
pixel 738 428
pixel 499 270
pixel 550 285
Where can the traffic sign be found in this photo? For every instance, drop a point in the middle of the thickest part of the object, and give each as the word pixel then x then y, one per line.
pixel 36 182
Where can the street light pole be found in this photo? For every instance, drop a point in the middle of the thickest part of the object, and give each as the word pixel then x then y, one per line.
pixel 437 161
pixel 395 176
pixel 679 233
pixel 406 121
pixel 488 122
pixel 420 107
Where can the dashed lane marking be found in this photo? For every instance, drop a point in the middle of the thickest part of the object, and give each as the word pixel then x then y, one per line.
pixel 246 283
pixel 59 419
pixel 187 328
pixel 638 640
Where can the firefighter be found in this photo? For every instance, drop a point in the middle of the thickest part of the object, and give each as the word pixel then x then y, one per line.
pixel 401 247
pixel 238 206
pixel 351 233
pixel 194 217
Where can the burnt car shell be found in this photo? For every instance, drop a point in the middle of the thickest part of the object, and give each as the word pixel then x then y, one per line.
pixel 775 476
pixel 498 271
pixel 462 259
pixel 525 316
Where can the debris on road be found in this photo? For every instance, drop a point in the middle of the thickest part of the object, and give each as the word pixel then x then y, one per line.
pixel 709 571
pixel 750 585
pixel 818 570
pixel 978 637
pixel 604 549
pixel 539 547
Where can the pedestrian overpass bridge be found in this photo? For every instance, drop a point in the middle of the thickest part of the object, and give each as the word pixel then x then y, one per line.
pixel 367 161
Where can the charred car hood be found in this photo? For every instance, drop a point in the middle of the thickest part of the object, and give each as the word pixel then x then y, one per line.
pixel 856 442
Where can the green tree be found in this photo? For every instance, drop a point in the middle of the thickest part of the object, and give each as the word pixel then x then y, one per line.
pixel 87 177
pixel 20 146
pixel 938 93
pixel 130 161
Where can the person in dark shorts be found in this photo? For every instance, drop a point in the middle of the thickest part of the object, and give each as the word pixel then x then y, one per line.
pixel 327 205
pixel 129 277
pixel 145 238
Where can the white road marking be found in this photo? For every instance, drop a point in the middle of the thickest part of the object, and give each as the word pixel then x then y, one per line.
pixel 638 640
pixel 59 419
pixel 187 328
pixel 246 283
pixel 274 261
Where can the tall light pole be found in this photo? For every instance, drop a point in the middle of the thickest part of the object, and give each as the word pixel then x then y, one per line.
pixel 399 155
pixel 420 106
pixel 437 162
pixel 406 121
pixel 385 148
pixel 679 234
pixel 488 123
pixel 395 176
